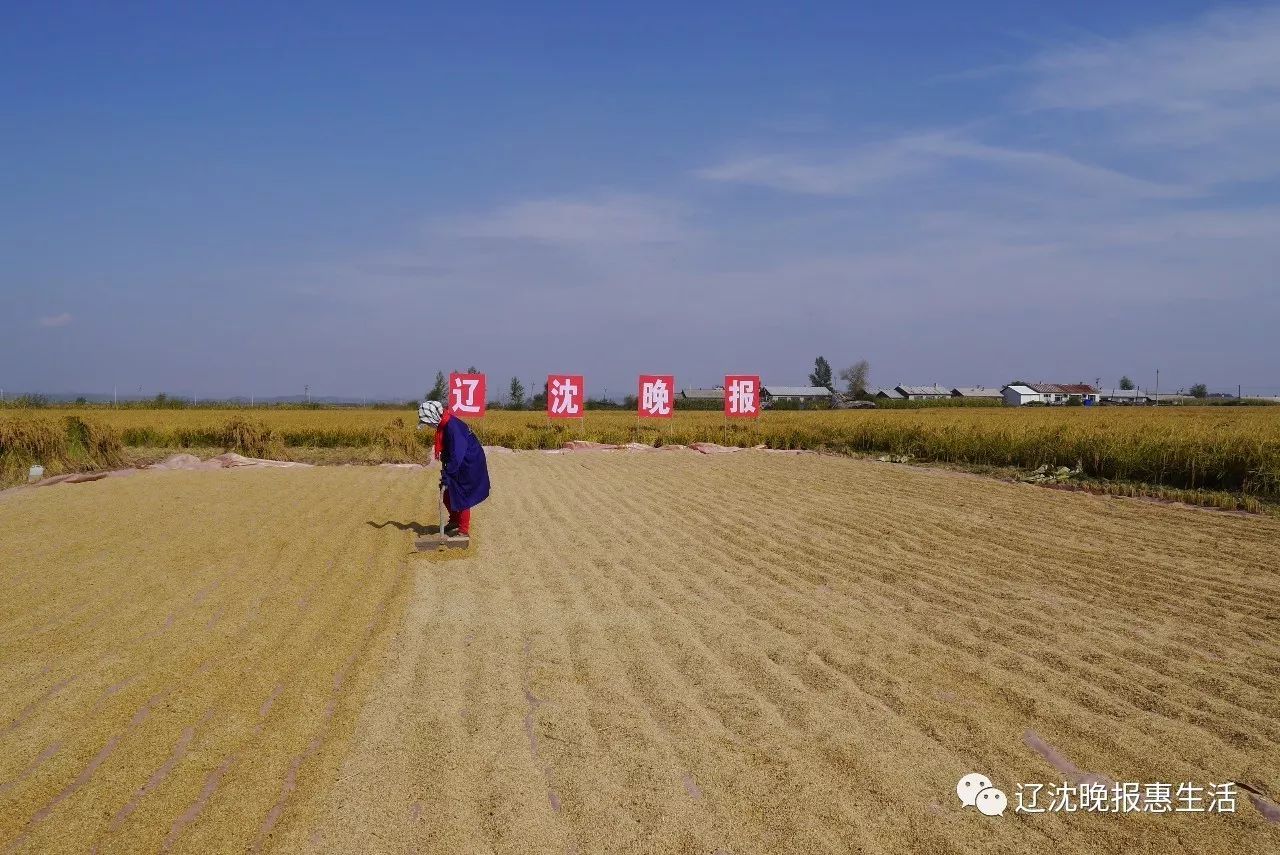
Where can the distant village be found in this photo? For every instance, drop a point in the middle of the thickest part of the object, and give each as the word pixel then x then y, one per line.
pixel 1011 395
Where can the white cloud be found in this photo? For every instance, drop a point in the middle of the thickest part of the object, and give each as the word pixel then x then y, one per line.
pixel 617 219
pixel 1203 97
pixel 1173 111
pixel 874 167
pixel 1183 69
pixel 849 173
pixel 56 320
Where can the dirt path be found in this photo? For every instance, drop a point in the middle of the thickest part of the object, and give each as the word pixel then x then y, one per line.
pixel 658 652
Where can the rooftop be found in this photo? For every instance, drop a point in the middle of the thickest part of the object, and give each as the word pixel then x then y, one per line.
pixel 976 391
pixel 795 391
pixel 1063 388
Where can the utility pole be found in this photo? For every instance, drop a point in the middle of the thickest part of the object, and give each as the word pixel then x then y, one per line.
pixel 307 389
pixel 1238 395
pixel 1157 387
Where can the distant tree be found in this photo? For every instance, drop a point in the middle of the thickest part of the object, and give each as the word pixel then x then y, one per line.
pixel 515 398
pixel 473 370
pixel 1199 390
pixel 539 401
pixel 164 402
pixel 438 391
pixel 81 401
pixel 821 375
pixel 855 377
pixel 1126 383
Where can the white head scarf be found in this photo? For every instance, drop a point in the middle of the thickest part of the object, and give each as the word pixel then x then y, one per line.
pixel 430 412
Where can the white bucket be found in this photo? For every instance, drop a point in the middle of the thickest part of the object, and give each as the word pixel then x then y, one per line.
pixel 35 473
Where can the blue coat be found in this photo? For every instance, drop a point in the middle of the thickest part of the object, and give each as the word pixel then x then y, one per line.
pixel 464 470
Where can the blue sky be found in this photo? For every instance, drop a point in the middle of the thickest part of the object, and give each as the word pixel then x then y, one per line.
pixel 250 198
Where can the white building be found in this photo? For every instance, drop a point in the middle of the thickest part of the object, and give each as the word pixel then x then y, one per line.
pixel 1019 394
pixel 1016 394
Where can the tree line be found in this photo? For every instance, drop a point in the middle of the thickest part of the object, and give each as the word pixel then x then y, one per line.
pixel 855 380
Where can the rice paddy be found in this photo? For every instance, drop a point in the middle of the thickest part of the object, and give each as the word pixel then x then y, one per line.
pixel 1230 450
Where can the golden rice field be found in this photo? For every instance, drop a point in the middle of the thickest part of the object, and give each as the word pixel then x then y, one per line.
pixel 646 652
pixel 1233 449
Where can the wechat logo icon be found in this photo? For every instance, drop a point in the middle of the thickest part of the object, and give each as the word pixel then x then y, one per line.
pixel 975 790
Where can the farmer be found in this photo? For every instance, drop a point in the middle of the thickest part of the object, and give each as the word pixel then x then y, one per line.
pixel 463 471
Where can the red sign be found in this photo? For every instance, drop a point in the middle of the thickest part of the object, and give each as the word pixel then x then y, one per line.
pixel 466 394
pixel 565 396
pixel 742 396
pixel 657 396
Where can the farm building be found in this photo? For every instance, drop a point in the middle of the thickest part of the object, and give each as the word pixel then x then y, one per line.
pixel 1131 397
pixel 1159 398
pixel 975 392
pixel 1137 397
pixel 770 394
pixel 1018 394
pixel 923 393
pixel 715 394
pixel 882 392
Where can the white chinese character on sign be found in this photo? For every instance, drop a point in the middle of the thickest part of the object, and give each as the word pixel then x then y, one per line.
pixel 1222 797
pixel 656 398
pixel 742 396
pixel 564 394
pixel 464 394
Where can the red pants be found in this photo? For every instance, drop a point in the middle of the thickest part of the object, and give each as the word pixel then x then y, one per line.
pixel 462 519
